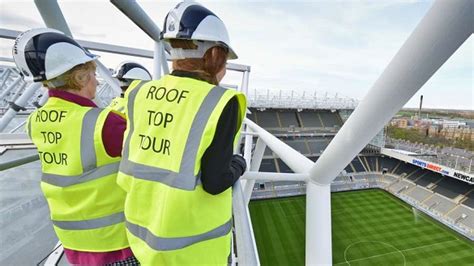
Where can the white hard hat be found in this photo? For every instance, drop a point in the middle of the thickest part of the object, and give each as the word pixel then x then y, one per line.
pixel 192 21
pixel 43 54
pixel 132 71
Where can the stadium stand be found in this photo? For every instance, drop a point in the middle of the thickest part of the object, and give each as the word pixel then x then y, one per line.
pixel 428 179
pixel 358 165
pixel 288 119
pixel 405 168
pixel 388 164
pixel 299 145
pixel 283 167
pixel 329 119
pixel 419 194
pixel 317 146
pixel 310 119
pixel 462 215
pixel 349 168
pixel 268 165
pixel 400 186
pixel 451 188
pixel 438 203
pixel 267 119
pixel 418 173
pixel 469 200
pixel 252 115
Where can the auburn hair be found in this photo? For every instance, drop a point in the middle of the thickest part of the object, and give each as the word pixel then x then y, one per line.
pixel 206 67
pixel 77 77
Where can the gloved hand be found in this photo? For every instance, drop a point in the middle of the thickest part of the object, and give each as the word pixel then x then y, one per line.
pixel 238 163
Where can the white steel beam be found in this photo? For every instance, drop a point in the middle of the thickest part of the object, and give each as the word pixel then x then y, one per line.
pixel 445 27
pixel 53 18
pixel 137 15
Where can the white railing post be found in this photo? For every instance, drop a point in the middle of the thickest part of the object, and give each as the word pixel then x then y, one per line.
pixel 19 103
pixel 245 240
pixel 254 166
pixel 245 82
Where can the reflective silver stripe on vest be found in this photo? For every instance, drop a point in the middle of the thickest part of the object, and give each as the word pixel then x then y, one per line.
pixel 65 181
pixel 92 223
pixel 90 171
pixel 88 157
pixel 184 179
pixel 131 99
pixel 174 243
pixel 29 127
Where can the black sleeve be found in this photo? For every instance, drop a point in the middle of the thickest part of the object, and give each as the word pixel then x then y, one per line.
pixel 217 174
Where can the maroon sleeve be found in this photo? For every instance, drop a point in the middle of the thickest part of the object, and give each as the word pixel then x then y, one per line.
pixel 112 134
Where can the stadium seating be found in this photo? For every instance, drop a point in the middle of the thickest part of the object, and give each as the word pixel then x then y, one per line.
pixel 267 119
pixel 470 200
pixel 299 145
pixel 419 194
pixel 439 204
pixel 268 165
pixel 358 165
pixel 310 119
pixel 457 214
pixel 288 119
pixel 405 168
pixel 387 163
pixel 317 146
pixel 329 119
pixel 428 179
pixel 451 188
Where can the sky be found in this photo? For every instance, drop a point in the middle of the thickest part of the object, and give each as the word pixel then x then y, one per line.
pixel 335 47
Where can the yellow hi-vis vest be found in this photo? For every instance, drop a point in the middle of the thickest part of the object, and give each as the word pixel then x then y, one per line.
pixel 118 106
pixel 79 177
pixel 170 219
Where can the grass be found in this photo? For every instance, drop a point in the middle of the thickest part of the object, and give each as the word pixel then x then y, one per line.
pixel 369 227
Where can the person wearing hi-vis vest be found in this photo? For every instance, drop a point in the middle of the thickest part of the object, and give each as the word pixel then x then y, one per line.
pixel 125 73
pixel 178 166
pixel 79 146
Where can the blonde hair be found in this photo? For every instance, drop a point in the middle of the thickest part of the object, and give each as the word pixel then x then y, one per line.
pixel 75 78
pixel 206 67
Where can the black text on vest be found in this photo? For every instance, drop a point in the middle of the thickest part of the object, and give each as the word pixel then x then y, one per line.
pixel 50 116
pixel 158 146
pixel 163 93
pixel 159 119
pixel 53 157
pixel 51 137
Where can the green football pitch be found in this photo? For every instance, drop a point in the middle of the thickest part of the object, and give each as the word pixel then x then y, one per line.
pixel 369 227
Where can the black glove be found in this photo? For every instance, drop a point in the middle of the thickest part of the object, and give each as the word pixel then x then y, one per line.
pixel 238 163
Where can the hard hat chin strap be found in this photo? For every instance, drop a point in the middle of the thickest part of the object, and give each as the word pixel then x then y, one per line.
pixel 55 83
pixel 202 47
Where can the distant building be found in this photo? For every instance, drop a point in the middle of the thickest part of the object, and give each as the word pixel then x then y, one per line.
pixel 399 122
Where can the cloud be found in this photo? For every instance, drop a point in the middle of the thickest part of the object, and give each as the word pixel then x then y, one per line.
pixel 334 46
pixel 15 19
